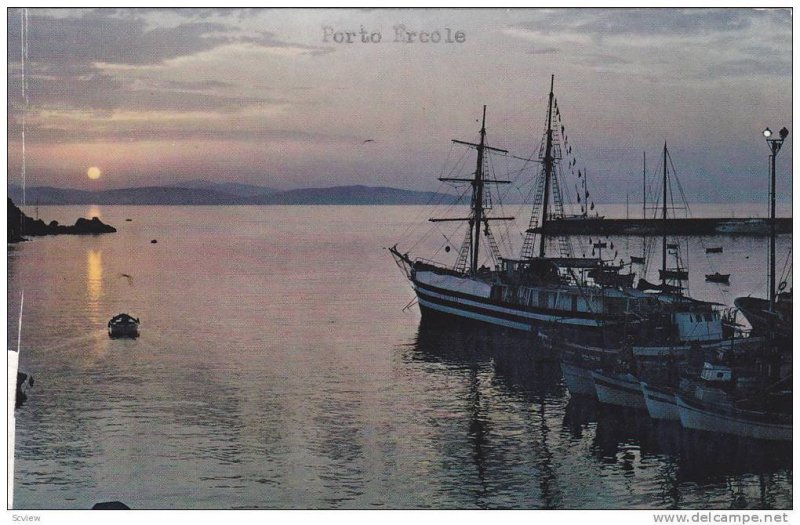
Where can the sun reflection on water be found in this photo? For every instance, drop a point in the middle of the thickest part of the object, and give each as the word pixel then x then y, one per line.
pixel 94 211
pixel 94 279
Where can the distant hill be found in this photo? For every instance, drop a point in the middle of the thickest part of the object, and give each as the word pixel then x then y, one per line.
pixel 147 195
pixel 359 195
pixel 207 193
pixel 232 188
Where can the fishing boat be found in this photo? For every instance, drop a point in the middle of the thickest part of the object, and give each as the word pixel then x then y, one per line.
pixel 623 390
pixel 536 289
pixel 714 249
pixel 766 318
pixel 123 326
pixel 660 402
pixel 732 420
pixel 578 362
pixel 717 277
pixel 684 330
pixel 756 402
pixel 723 403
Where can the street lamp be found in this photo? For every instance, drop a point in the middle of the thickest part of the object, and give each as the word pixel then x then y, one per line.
pixel 774 147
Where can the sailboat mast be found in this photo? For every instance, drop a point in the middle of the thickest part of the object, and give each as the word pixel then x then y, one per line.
pixel 548 166
pixel 664 215
pixel 477 199
pixel 644 185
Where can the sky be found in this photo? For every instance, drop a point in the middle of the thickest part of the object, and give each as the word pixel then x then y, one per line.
pixel 270 97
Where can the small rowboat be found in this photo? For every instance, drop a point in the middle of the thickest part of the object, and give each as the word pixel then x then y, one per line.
pixel 718 277
pixel 123 325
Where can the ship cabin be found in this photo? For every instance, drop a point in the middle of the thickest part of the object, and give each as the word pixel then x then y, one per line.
pixel 555 284
pixel 693 320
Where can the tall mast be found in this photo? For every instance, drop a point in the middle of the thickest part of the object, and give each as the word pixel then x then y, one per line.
pixel 477 198
pixel 664 214
pixel 548 167
pixel 644 185
pixel 477 215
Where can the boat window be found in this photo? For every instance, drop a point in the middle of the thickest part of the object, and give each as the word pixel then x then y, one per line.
pixel 719 375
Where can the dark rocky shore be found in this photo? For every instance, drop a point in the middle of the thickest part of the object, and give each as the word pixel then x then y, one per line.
pixel 20 225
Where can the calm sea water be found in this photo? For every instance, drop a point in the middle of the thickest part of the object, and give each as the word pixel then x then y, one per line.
pixel 277 368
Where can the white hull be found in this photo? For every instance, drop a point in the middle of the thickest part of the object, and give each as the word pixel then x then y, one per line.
pixel 738 424
pixel 578 379
pixel 622 391
pixel 660 404
pixel 679 352
pixel 468 303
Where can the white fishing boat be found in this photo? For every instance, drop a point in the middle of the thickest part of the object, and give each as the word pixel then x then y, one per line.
pixel 682 351
pixel 578 379
pixel 660 402
pixel 619 389
pixel 727 418
pixel 577 363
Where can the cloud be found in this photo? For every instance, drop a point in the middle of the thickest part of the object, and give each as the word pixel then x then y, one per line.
pixel 677 43
pixel 678 23
pixel 100 37
pixel 79 60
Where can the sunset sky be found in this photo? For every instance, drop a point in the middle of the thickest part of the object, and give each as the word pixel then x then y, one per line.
pixel 155 97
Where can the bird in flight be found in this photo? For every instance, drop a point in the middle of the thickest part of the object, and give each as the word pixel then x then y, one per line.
pixel 368 140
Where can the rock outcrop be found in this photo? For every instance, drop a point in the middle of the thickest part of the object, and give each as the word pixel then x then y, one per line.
pixel 20 225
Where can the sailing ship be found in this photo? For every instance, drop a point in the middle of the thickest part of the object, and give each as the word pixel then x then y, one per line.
pixel 536 290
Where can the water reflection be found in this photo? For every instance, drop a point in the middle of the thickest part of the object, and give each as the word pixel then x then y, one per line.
pixel 94 282
pixel 94 211
pixel 507 393
pixel 570 442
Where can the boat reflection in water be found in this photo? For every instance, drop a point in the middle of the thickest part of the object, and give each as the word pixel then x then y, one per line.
pixel 512 436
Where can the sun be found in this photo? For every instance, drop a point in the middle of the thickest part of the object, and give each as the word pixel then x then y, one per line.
pixel 93 173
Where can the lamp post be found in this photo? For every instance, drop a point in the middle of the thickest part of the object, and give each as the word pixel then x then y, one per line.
pixel 774 144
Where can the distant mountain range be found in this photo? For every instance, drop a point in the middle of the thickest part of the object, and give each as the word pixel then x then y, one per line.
pixel 229 193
